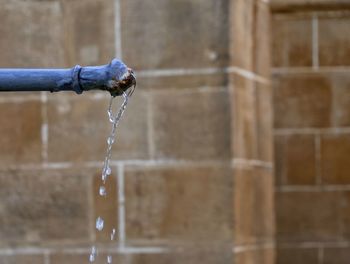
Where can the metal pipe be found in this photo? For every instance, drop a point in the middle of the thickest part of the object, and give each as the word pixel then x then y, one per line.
pixel 114 77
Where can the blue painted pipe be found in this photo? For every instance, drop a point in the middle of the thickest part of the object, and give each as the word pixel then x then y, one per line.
pixel 114 77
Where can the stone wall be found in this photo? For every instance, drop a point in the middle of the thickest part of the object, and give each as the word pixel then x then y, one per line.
pixel 311 58
pixel 192 177
pixel 252 141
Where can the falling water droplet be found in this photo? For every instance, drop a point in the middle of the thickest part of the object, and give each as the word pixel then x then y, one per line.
pixel 102 191
pixel 93 253
pixel 113 234
pixel 106 172
pixel 104 176
pixel 110 116
pixel 110 140
pixel 92 258
pixel 109 259
pixel 99 223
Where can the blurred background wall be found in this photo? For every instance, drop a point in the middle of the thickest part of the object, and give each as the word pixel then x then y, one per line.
pixel 199 121
pixel 193 167
pixel 311 82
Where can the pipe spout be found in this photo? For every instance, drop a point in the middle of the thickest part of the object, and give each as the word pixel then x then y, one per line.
pixel 115 77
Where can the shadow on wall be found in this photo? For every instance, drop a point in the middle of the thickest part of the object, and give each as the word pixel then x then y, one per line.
pixel 312 141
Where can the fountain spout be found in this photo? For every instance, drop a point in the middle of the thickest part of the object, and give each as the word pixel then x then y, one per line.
pixel 114 77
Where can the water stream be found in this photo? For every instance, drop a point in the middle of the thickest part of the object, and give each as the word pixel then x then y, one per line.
pixel 106 171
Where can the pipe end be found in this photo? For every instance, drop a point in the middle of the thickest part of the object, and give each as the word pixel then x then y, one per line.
pixel 123 80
